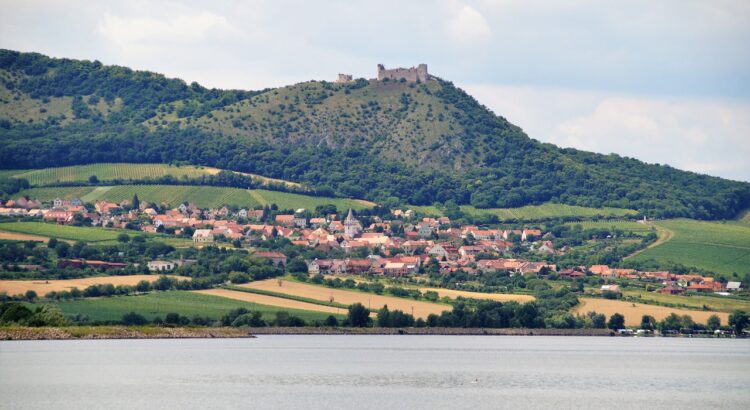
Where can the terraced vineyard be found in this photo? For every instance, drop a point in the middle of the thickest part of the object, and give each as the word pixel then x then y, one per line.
pixel 203 196
pixel 722 247
pixel 107 172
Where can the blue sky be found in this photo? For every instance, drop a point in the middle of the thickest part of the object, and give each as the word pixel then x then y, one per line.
pixel 665 82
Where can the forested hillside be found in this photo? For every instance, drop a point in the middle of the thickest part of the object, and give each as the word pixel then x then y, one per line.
pixel 391 142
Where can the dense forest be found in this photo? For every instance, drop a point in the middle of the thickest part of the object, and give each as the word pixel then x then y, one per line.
pixel 393 143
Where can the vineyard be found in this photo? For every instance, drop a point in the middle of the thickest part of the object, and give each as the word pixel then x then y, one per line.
pixel 108 172
pixel 121 171
pixel 203 196
pixel 722 247
pixel 535 212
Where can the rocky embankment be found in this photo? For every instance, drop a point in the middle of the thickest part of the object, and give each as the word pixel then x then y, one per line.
pixel 119 332
pixel 425 331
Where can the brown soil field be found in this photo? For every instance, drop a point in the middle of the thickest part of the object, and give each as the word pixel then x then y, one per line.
pixel 42 287
pixel 633 312
pixel 270 300
pixel 500 297
pixel 347 297
pixel 12 236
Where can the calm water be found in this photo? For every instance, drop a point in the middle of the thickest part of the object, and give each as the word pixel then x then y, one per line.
pixel 374 372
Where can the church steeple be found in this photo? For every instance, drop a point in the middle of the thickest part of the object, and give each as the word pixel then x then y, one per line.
pixel 352 227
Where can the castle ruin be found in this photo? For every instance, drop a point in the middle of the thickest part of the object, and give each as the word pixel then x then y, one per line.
pixel 344 78
pixel 412 75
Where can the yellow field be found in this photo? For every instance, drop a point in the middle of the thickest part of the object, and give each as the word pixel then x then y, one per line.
pixel 42 287
pixel 373 302
pixel 12 236
pixel 500 297
pixel 270 300
pixel 633 312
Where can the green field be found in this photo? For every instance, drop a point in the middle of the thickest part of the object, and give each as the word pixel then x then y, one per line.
pixel 722 247
pixel 85 233
pixel 713 302
pixel 123 171
pixel 534 212
pixel 183 302
pixel 203 196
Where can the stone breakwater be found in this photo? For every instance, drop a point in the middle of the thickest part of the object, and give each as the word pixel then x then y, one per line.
pixel 425 331
pixel 119 332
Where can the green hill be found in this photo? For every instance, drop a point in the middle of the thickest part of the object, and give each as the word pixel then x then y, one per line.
pixel 390 142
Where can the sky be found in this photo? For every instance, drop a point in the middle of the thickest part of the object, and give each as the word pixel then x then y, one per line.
pixel 665 82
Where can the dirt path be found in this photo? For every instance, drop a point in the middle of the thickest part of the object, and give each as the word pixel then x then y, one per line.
pixel 663 236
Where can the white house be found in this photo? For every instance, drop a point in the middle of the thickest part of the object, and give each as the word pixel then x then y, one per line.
pixel 160 265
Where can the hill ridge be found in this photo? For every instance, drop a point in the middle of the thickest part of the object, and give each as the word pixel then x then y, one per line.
pixel 387 141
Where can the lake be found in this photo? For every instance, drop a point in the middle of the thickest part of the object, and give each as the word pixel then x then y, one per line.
pixel 376 372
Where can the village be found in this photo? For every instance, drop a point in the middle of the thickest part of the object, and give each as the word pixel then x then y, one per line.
pixel 399 244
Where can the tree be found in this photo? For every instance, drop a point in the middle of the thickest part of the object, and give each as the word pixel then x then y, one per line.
pixel 52 243
pixel 123 237
pixel 296 265
pixel 648 322
pixel 359 315
pixel 671 323
pixel 714 322
pixel 93 179
pixel 30 295
pixel 133 319
pixel 739 320
pixel 598 320
pixel 62 249
pixel 616 321
pixel 331 321
pixel 136 202
pixel 384 317
pixel 143 286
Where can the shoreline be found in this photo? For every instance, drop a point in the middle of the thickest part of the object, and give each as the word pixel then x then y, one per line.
pixel 120 332
pixel 155 332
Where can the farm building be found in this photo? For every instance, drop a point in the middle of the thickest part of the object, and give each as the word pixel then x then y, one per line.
pixel 203 236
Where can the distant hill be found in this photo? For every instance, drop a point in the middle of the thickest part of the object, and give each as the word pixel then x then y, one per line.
pixel 390 142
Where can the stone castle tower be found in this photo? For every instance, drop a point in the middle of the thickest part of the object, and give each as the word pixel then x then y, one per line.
pixel 412 75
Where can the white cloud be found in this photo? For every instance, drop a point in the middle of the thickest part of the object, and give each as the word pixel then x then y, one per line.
pixel 466 25
pixel 181 29
pixel 701 135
